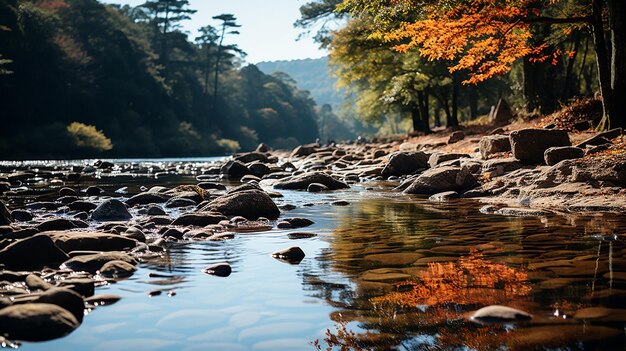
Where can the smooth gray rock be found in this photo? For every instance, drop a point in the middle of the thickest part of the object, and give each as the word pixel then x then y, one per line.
pixel 499 314
pixel 302 181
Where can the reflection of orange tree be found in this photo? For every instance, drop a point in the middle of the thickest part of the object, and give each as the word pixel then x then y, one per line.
pixel 471 281
pixel 463 282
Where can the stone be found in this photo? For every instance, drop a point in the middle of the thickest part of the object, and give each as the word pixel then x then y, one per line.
pixel 135 234
pixel 292 255
pixel 601 138
pixel 499 314
pixel 69 241
pixel 456 137
pixel 211 186
pixel 304 150
pixel 32 253
pixel 65 298
pixel 93 263
pixel 199 219
pixel 173 233
pixel 147 198
pixel 521 212
pixel 529 145
pixel 601 314
pixel 250 204
pixel 555 155
pixel 442 179
pixel 117 269
pixel 493 144
pixel 111 210
pixel 34 282
pixel 302 181
pixel 36 322
pixel 259 169
pixel 403 163
pixel 234 169
pixel 445 196
pixel 21 215
pixel 298 222
pixel 301 235
pixel 154 210
pixel 502 113
pixel 251 157
pixel 5 215
pixel 94 191
pixel 67 192
pixel 82 286
pixel 82 206
pixel 60 224
pixel 438 157
pixel 103 299
pixel 263 148
pixel 219 269
pixel 316 188
pixel 501 166
pixel 176 202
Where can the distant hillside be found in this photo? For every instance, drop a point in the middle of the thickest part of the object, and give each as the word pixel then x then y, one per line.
pixel 310 74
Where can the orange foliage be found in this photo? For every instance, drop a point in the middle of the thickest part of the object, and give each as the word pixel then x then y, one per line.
pixel 462 282
pixel 51 5
pixel 484 37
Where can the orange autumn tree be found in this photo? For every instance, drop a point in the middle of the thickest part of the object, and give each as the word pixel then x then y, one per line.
pixel 486 37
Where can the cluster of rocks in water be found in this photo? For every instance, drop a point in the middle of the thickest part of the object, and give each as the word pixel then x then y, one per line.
pixel 54 253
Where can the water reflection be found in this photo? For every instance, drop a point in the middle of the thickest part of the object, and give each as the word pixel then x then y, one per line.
pixel 416 270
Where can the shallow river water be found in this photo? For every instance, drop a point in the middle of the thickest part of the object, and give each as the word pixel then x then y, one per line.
pixel 387 271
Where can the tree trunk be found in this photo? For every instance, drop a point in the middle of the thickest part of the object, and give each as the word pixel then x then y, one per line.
pixel 415 117
pixel 423 105
pixel 453 120
pixel 437 117
pixel 569 71
pixel 473 102
pixel 602 60
pixel 617 12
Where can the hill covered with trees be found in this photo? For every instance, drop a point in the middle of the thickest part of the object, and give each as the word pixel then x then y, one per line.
pixel 82 79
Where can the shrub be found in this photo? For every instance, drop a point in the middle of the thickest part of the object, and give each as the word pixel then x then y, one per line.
pixel 89 137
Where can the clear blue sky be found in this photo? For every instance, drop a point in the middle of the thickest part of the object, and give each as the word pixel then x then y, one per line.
pixel 267 32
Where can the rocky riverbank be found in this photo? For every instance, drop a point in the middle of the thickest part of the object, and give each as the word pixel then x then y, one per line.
pixel 63 232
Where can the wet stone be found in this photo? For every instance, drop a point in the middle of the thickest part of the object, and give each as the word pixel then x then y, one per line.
pixel 219 269
pixel 292 255
pixel 117 269
pixel 499 314
pixel 111 210
pixel 36 322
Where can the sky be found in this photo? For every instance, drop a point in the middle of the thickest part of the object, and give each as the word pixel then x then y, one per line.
pixel 267 31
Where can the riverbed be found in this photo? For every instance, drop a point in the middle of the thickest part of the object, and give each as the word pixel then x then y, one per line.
pixel 384 271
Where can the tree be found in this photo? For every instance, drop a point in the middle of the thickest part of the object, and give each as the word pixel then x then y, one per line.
pixel 207 43
pixel 485 38
pixel 165 16
pixel 229 21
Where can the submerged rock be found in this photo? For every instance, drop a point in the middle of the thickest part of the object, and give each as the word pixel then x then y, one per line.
pixel 445 196
pixel 36 322
pixel 293 255
pixel 219 269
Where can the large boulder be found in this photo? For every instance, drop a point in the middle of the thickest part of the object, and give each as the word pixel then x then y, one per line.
pixel 36 322
pixel 302 182
pixel 90 241
pixel 402 163
pixel 65 298
pixel 250 204
pixel 441 179
pixel 493 144
pixel 529 145
pixel 555 155
pixel 251 157
pixel 32 253
pixel 111 210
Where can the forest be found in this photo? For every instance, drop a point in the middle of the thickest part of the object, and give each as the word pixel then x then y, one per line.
pixel 424 64
pixel 82 79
